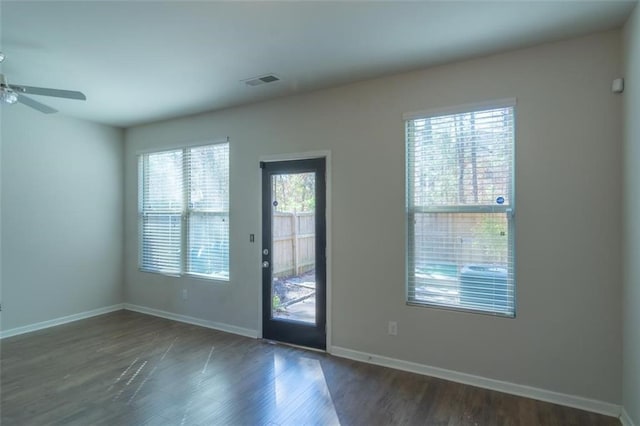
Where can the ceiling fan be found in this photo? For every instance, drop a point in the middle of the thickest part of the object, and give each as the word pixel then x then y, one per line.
pixel 12 93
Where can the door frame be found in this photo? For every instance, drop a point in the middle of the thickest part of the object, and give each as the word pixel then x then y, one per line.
pixel 328 251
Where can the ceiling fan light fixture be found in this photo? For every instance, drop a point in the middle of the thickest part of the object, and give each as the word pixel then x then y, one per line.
pixel 11 94
pixel 8 96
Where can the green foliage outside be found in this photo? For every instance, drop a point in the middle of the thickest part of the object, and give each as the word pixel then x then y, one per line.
pixel 294 192
pixel 275 303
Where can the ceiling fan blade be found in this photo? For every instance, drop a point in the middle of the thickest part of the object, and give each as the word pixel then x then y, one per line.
pixel 68 94
pixel 36 105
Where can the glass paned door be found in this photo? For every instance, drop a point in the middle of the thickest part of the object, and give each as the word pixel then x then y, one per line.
pixel 293 256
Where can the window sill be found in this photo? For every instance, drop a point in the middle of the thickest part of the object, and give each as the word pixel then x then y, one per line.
pixel 201 277
pixel 461 309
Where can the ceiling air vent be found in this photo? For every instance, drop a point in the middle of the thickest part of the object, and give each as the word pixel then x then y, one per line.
pixel 256 81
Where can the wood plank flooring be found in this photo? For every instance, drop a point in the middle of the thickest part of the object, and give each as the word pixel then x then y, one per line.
pixel 126 368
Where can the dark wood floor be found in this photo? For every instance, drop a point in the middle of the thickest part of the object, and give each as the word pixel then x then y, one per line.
pixel 127 368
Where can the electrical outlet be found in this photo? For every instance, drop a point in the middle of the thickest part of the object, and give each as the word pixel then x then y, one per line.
pixel 393 328
pixel 185 295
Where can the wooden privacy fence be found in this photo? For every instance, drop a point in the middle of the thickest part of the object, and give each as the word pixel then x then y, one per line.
pixel 461 238
pixel 294 243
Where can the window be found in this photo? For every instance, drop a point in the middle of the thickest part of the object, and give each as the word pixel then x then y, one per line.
pixel 460 208
pixel 184 211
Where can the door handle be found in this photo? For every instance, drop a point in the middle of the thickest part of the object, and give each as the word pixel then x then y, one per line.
pixel 265 264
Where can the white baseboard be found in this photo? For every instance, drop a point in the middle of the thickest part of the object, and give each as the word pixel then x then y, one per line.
pixel 625 419
pixel 247 332
pixel 59 321
pixel 581 403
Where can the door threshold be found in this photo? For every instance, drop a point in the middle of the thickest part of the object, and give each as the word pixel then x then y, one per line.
pixel 306 348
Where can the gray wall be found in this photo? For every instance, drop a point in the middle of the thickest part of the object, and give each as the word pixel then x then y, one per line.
pixel 567 335
pixel 631 295
pixel 62 203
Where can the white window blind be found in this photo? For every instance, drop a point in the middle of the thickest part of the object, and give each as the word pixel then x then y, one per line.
pixel 184 211
pixel 208 213
pixel 460 196
pixel 161 213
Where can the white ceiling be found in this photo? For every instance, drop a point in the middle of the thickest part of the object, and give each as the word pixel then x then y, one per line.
pixel 145 61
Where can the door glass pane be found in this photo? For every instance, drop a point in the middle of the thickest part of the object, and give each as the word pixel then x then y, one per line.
pixel 293 281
